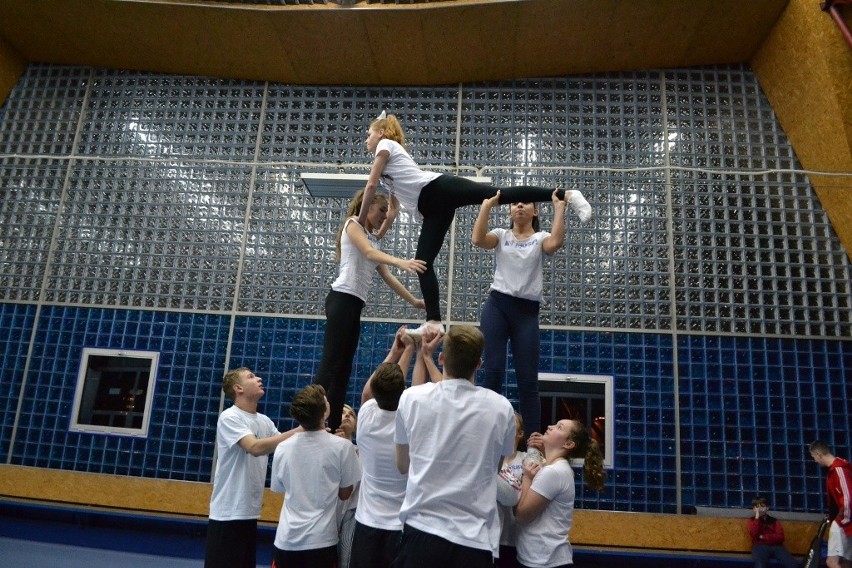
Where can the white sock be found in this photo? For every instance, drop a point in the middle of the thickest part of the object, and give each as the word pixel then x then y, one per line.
pixel 580 206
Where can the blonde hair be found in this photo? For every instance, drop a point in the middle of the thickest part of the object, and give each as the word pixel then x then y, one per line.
pixel 392 129
pixel 232 378
pixel 352 210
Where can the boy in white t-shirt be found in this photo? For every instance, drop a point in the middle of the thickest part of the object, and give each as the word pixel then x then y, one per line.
pixel 314 470
pixel 451 437
pixel 244 440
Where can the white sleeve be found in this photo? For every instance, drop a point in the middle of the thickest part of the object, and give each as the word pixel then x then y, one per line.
pixel 400 435
pixel 548 483
pixel 232 428
pixel 351 470
pixel 278 464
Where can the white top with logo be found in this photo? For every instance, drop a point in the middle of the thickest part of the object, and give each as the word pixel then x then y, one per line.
pixel 356 271
pixel 519 265
pixel 543 543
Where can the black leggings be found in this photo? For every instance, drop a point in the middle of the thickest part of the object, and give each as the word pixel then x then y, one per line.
pixel 342 330
pixel 438 202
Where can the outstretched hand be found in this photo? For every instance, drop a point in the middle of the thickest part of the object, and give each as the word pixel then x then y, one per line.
pixel 413 266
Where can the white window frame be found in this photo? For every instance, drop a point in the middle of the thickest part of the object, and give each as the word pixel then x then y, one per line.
pixel 152 356
pixel 609 407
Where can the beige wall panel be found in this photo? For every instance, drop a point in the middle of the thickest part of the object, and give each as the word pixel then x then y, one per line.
pixel 591 528
pixel 678 532
pixel 12 65
pixel 805 68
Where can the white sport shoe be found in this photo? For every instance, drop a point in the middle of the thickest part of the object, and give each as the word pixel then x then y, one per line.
pixel 417 333
pixel 580 206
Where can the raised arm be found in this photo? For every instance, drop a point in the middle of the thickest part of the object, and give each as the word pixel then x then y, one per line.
pixel 376 171
pixel 400 353
pixel 393 210
pixel 424 366
pixel 557 232
pixel 481 237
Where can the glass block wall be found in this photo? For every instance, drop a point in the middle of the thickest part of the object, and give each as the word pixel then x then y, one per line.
pixel 166 213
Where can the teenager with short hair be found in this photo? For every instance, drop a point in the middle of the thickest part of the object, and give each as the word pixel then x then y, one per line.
pixel 244 440
pixel 314 470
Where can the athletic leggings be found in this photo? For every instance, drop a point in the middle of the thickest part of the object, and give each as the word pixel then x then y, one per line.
pixel 438 202
pixel 342 330
pixel 507 319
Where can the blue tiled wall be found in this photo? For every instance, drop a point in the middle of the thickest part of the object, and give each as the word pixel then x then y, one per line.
pixel 16 323
pixel 750 407
pixel 186 395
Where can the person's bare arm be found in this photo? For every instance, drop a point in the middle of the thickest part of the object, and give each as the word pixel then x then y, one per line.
pixel 530 504
pixel 372 185
pixel 481 237
pixel 403 461
pixel 557 232
pixel 263 446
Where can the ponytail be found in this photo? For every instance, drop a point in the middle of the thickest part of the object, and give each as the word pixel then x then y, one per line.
pixel 590 451
pixel 391 127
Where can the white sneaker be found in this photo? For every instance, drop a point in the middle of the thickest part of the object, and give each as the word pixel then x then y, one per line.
pixel 579 205
pixel 417 333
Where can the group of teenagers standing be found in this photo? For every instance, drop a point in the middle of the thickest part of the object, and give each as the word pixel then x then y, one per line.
pixel 442 476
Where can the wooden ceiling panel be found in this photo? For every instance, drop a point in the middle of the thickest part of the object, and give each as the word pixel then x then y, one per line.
pixel 434 43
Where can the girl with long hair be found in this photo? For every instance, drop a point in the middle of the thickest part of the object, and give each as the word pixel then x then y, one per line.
pixel 545 509
pixel 510 312
pixel 359 258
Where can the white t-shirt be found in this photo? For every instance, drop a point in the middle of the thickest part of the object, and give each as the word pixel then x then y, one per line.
pixel 402 177
pixel 309 469
pixel 240 476
pixel 382 486
pixel 519 265
pixel 543 543
pixel 457 434
pixel 508 492
pixel 356 271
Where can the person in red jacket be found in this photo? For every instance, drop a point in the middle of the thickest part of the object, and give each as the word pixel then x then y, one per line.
pixel 767 537
pixel 839 484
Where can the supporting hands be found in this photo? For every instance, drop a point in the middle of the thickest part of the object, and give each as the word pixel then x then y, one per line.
pixel 425 368
pixel 481 237
pixel 431 340
pixel 536 440
pixel 531 469
pixel 492 202
pixel 560 204
pixel 400 341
